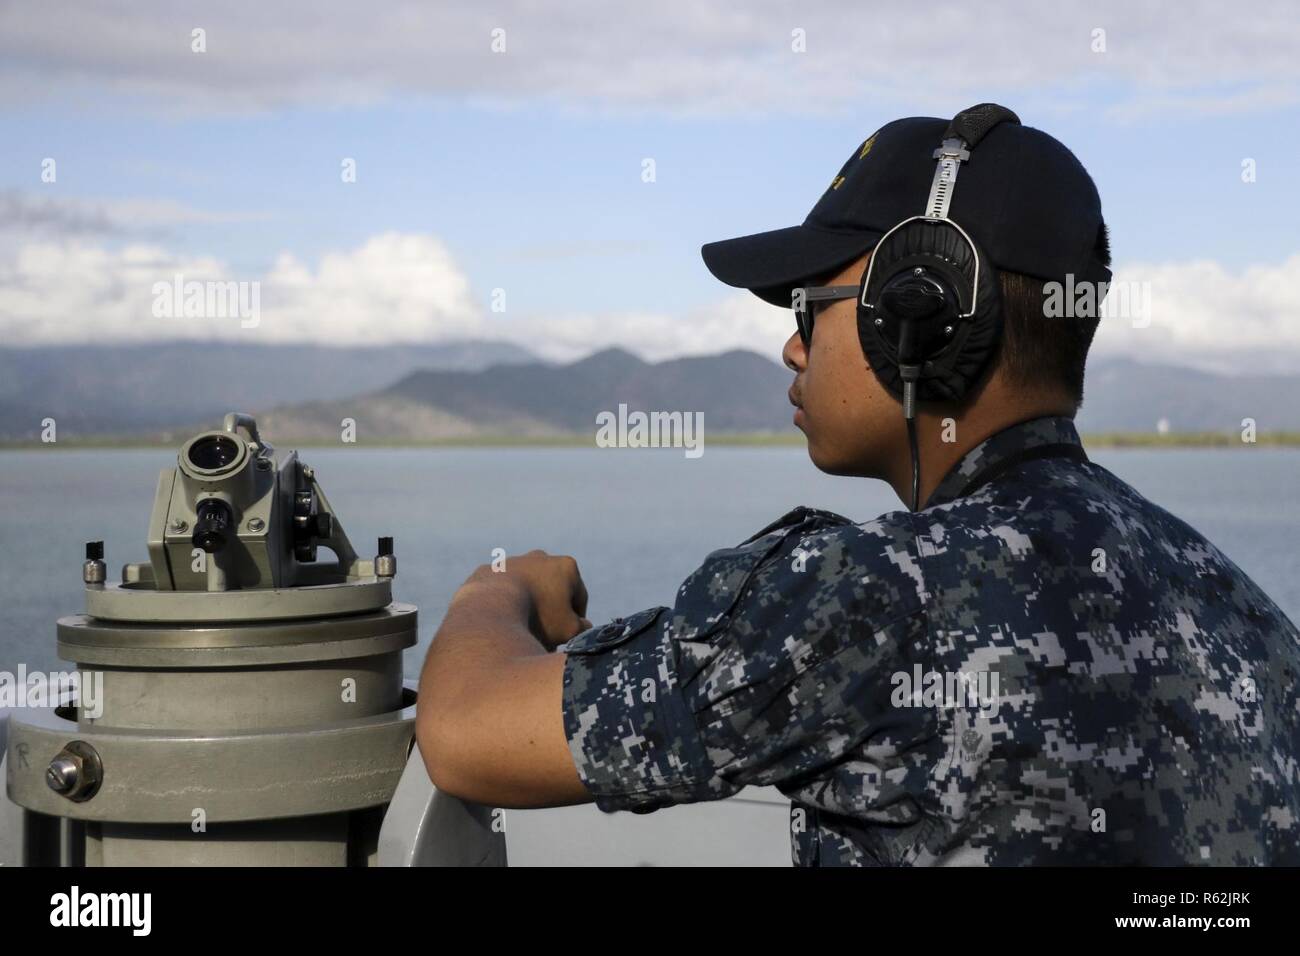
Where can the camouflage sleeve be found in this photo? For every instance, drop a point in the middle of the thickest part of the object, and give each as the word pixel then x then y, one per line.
pixel 632 736
pixel 775 659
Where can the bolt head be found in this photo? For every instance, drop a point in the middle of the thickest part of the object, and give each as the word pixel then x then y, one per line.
pixel 61 775
pixel 880 322
pixel 947 330
pixel 179 524
pixel 75 772
pixel 256 524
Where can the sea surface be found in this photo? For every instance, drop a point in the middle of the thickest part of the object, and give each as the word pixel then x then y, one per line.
pixel 637 520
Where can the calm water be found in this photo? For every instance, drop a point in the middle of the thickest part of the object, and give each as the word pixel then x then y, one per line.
pixel 638 521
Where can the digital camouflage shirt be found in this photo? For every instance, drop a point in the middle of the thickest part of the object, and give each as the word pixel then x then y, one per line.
pixel 1041 667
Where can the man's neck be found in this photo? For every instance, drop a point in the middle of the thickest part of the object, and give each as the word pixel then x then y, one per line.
pixel 942 440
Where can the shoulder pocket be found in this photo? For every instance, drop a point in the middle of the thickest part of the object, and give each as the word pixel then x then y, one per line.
pixel 616 632
pixel 710 594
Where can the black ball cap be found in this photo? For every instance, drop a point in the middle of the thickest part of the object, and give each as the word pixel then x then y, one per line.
pixel 1024 198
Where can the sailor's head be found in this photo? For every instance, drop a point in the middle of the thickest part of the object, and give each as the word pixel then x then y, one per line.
pixel 1026 211
pixel 853 422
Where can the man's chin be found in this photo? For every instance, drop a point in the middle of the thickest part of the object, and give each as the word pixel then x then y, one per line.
pixel 833 461
pixel 830 464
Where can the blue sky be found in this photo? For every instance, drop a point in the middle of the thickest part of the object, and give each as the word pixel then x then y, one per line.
pixel 532 183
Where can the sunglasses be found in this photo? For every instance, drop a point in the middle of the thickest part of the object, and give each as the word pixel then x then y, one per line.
pixel 806 299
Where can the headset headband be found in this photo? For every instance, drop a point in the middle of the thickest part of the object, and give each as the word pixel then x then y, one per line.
pixel 951 155
pixel 962 135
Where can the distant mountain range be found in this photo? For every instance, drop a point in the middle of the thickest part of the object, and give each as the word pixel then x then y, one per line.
pixel 1120 395
pixel 737 392
pixel 132 389
pixel 477 389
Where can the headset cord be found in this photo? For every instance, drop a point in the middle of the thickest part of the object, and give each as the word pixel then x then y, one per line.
pixel 916 465
pixel 909 370
pixel 909 415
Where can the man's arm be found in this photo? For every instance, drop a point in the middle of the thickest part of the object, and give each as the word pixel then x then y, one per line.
pixel 771 666
pixel 490 715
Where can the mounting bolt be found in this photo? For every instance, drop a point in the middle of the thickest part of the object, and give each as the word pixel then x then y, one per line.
pixel 947 330
pixel 62 774
pixel 385 561
pixel 256 524
pixel 879 322
pixel 918 271
pixel 178 525
pixel 94 571
pixel 75 772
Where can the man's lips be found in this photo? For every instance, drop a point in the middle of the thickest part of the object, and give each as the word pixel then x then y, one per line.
pixel 794 398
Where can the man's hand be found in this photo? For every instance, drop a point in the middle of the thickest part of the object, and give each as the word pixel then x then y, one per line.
pixel 490 715
pixel 553 588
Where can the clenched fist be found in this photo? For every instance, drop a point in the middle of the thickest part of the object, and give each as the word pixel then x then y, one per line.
pixel 554 590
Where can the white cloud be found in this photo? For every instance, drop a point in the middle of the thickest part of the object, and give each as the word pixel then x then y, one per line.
pixel 409 288
pixel 1203 314
pixel 679 55
pixel 393 288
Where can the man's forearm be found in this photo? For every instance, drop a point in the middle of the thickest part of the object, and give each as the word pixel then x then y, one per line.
pixel 489 718
pixel 486 626
pixel 484 631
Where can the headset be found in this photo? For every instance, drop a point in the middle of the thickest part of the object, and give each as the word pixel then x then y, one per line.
pixel 929 313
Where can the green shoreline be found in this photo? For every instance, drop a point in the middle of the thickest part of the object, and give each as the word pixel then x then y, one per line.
pixel 1094 440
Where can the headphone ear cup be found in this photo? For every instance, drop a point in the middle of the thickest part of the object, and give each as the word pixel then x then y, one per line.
pixel 951 363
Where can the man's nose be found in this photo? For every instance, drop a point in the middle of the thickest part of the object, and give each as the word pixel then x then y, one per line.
pixel 795 353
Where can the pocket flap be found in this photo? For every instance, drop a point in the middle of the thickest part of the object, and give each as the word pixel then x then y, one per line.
pixel 616 632
pixel 708 596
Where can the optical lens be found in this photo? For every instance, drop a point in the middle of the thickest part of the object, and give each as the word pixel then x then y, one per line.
pixel 213 452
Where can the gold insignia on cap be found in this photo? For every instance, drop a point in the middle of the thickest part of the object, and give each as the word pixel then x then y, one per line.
pixel 866 147
pixel 838 181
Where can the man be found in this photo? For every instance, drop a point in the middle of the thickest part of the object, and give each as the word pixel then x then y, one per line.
pixel 1033 664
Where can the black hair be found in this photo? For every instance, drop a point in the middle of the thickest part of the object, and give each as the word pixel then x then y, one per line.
pixel 1039 353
